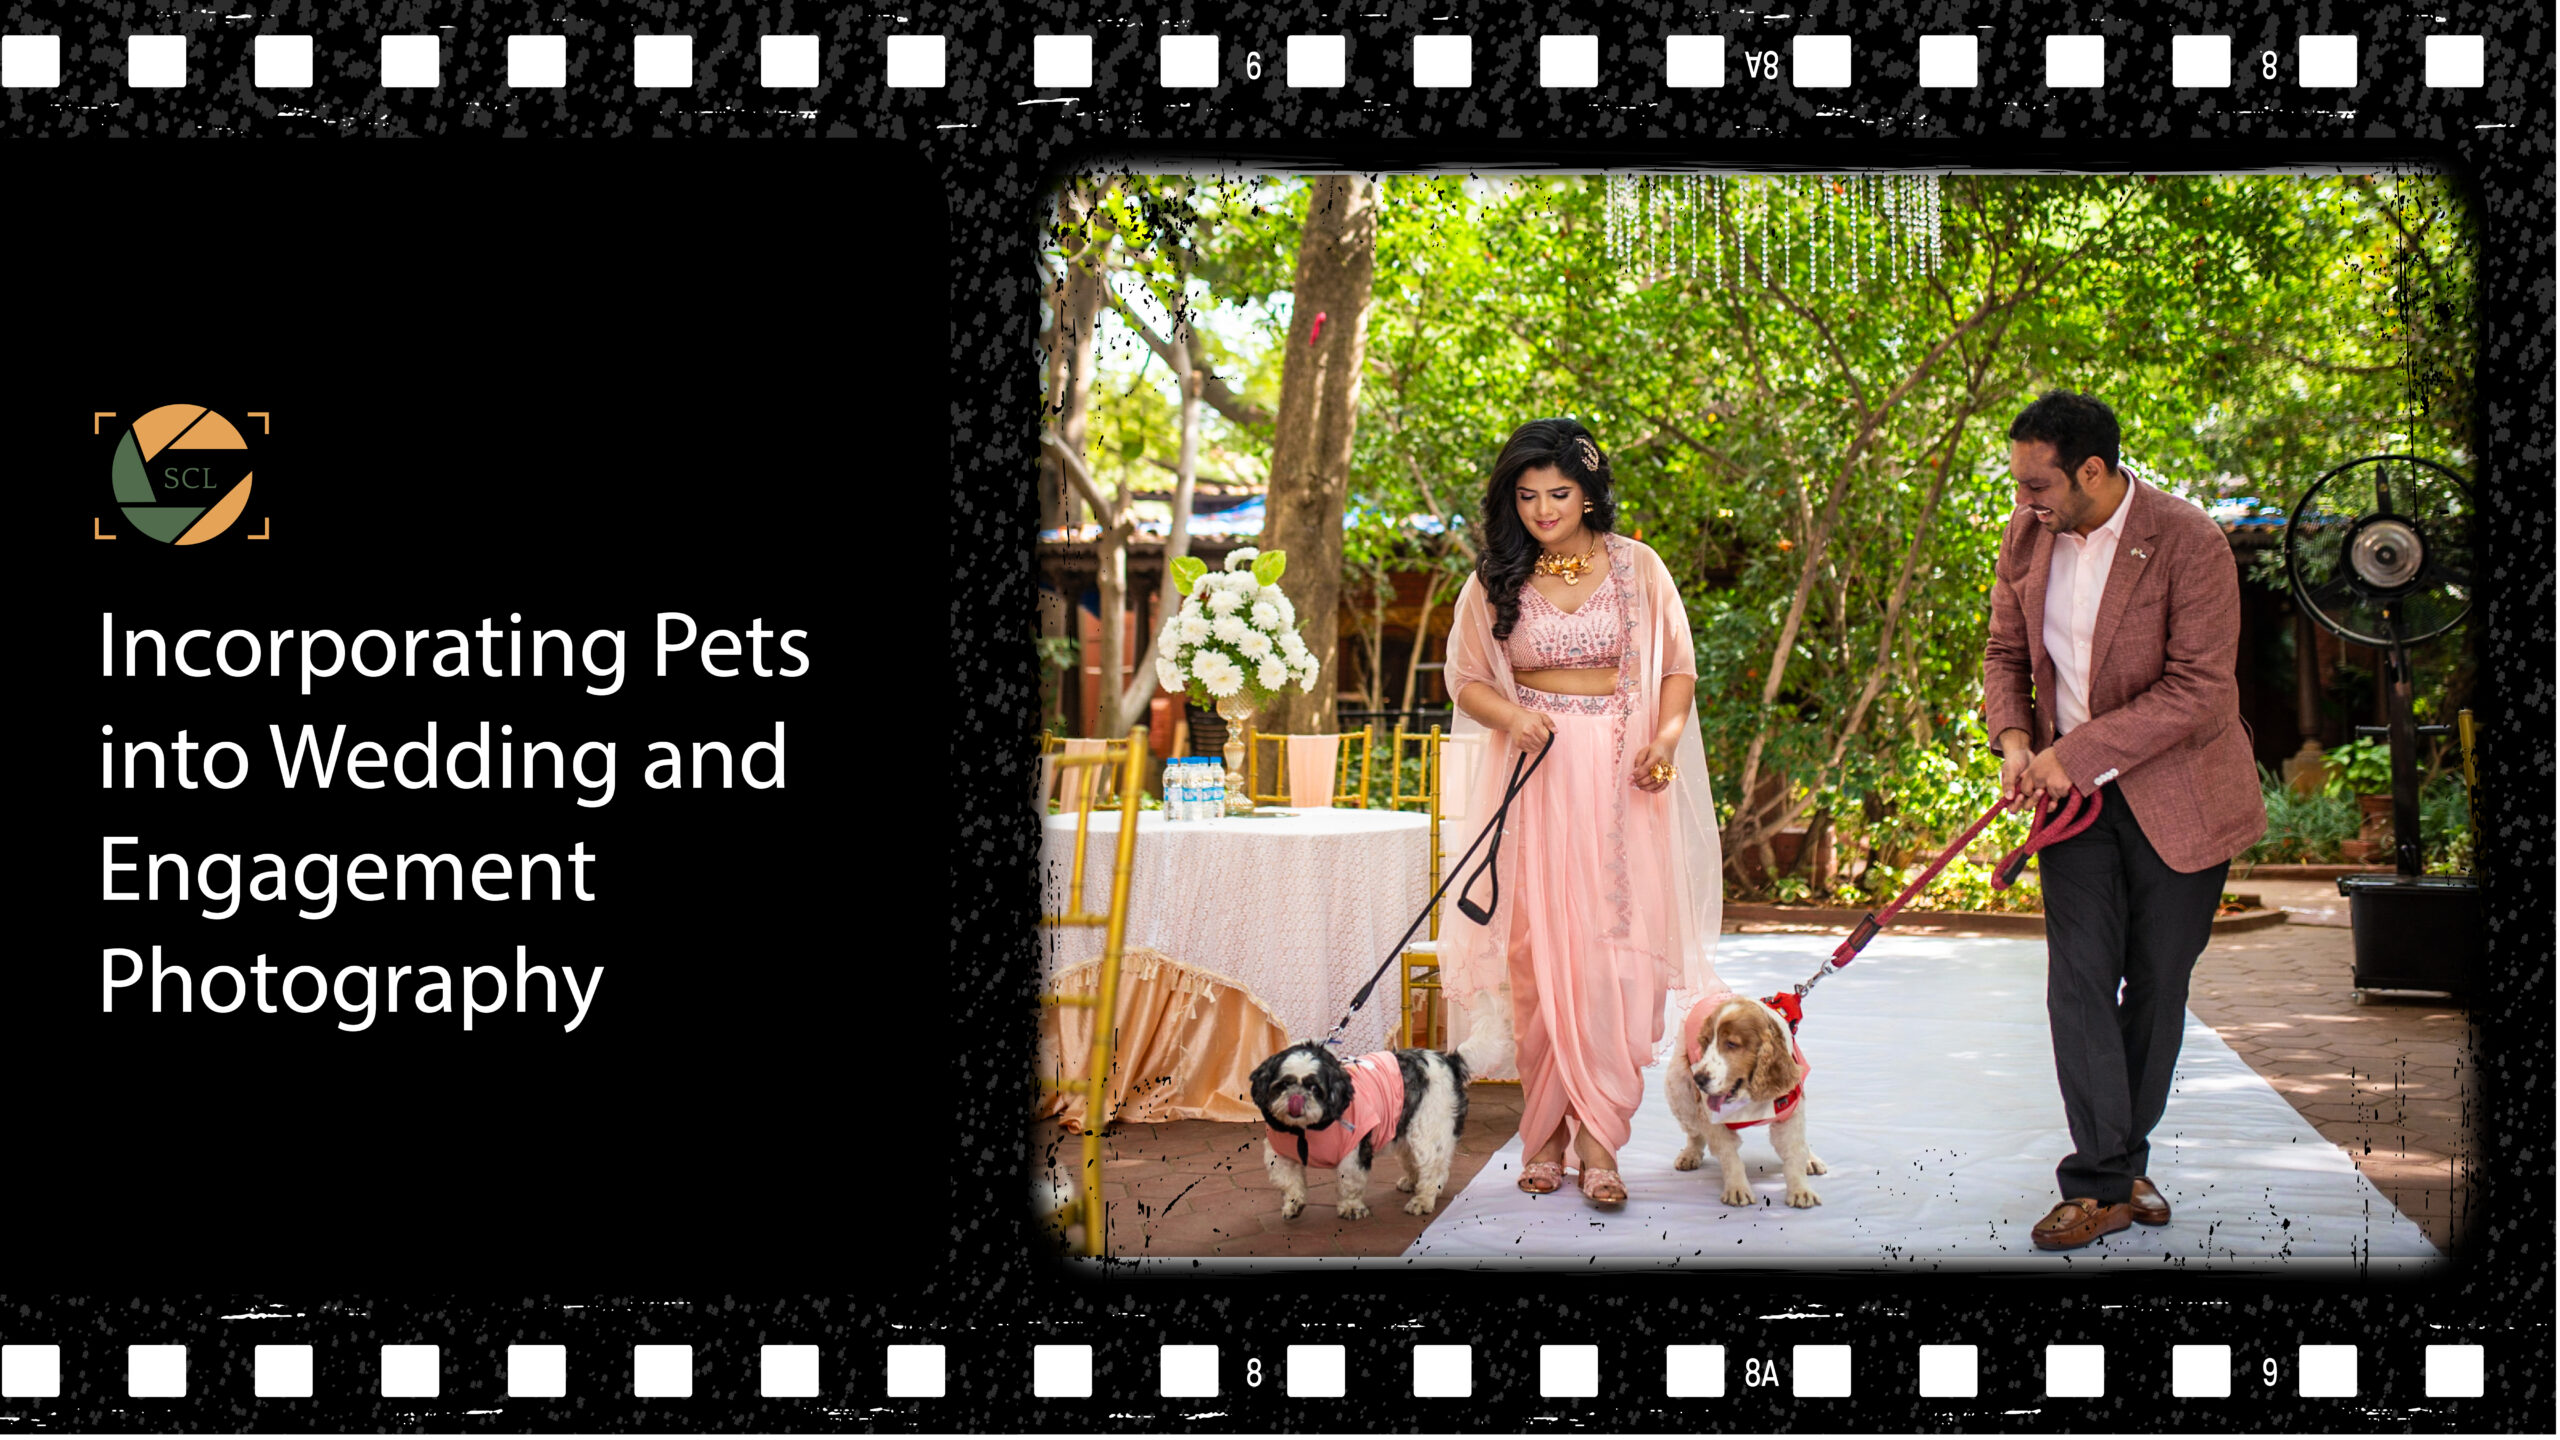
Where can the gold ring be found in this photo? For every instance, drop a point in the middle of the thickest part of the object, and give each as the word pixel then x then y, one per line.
pixel 1665 771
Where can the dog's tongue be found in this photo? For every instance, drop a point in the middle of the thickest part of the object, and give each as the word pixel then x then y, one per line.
pixel 1715 1102
pixel 1297 1104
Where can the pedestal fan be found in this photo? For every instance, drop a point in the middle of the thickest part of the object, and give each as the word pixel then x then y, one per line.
pixel 2378 552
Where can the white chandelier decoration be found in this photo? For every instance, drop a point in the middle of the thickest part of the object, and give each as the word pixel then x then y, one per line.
pixel 1839 231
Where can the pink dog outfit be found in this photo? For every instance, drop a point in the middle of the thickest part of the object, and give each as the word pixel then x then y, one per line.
pixel 1377 1103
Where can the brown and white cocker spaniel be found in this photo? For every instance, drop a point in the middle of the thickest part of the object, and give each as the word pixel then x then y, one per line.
pixel 1744 1069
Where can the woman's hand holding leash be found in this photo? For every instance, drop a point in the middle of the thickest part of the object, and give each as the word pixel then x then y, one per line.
pixel 1530 730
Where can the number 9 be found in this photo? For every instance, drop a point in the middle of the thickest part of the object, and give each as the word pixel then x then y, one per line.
pixel 2270 1369
pixel 1253 64
pixel 2267 71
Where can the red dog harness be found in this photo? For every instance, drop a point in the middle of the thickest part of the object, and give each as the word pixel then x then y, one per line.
pixel 1377 1102
pixel 1789 1008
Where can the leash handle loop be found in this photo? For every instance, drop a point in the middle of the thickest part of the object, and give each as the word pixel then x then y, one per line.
pixel 2065 818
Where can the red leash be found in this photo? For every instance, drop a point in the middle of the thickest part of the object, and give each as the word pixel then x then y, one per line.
pixel 2053 825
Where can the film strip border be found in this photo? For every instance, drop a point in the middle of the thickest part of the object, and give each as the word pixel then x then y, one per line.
pixel 957 67
pixel 449 1375
pixel 1001 119
pixel 283 63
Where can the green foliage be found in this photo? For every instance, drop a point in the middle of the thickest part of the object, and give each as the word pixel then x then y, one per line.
pixel 2250 332
pixel 1187 572
pixel 2307 829
pixel 1268 566
pixel 2444 819
pixel 1380 778
pixel 2301 829
pixel 2360 767
pixel 1057 652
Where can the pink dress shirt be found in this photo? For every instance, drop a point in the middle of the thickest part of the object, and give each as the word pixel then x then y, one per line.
pixel 2072 590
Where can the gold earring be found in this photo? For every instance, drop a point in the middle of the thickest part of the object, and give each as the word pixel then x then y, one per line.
pixel 1586 507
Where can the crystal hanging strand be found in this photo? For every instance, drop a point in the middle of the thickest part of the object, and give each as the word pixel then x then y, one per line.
pixel 1715 218
pixel 1899 188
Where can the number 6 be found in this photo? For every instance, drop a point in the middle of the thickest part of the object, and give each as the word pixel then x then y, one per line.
pixel 2267 71
pixel 1253 64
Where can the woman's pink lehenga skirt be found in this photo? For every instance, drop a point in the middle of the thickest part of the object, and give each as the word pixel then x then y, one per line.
pixel 1588 977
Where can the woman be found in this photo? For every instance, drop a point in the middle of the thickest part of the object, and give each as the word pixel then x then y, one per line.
pixel 1573 637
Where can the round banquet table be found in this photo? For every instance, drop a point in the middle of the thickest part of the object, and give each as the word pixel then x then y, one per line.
pixel 1284 915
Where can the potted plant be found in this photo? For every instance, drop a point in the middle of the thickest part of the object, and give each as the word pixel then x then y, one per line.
pixel 2362 768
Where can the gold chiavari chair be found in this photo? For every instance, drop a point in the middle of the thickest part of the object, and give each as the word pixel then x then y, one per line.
pixel 1420 963
pixel 1058 784
pixel 1128 760
pixel 1350 786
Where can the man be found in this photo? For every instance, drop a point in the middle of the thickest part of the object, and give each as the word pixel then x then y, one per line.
pixel 2115 623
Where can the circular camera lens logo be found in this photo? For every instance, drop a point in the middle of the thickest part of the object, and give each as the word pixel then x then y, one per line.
pixel 182 474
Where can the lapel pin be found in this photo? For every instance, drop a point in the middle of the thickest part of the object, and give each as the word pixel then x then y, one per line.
pixel 2141 554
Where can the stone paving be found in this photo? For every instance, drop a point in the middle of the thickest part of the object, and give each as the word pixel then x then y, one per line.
pixel 2388 1082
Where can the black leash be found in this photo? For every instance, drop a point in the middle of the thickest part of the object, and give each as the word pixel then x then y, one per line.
pixel 1481 914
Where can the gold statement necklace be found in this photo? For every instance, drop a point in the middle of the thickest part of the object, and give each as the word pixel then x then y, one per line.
pixel 1569 568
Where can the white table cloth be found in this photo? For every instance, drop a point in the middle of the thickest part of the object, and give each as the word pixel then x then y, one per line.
pixel 1298 908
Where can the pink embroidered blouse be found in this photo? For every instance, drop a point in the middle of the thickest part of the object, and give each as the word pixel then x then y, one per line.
pixel 1591 638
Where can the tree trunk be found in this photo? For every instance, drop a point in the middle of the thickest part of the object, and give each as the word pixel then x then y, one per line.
pixel 1381 590
pixel 1421 640
pixel 1075 305
pixel 1143 684
pixel 1311 443
pixel 1111 565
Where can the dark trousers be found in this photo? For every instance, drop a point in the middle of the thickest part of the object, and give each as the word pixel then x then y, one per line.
pixel 2115 918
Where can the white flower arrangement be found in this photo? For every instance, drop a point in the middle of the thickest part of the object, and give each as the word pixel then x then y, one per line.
pixel 1236 632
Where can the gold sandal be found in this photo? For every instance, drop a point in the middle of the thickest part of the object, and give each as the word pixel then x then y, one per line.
pixel 1542 1177
pixel 1603 1188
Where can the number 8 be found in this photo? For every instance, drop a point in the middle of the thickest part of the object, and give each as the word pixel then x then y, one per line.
pixel 1253 64
pixel 1253 1371
pixel 2267 71
pixel 2271 1369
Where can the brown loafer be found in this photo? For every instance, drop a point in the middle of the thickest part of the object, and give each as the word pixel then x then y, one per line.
pixel 2150 1207
pixel 2075 1223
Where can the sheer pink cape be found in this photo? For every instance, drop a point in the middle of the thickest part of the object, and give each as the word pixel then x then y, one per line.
pixel 1686 885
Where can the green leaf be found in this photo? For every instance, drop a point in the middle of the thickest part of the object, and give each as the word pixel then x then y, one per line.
pixel 1267 567
pixel 1187 572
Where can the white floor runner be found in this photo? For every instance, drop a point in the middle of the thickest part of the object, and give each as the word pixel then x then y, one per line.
pixel 1935 1105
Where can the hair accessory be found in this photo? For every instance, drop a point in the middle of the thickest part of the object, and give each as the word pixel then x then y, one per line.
pixel 1587 453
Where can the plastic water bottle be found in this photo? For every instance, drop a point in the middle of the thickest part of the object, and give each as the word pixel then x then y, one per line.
pixel 1216 799
pixel 1181 790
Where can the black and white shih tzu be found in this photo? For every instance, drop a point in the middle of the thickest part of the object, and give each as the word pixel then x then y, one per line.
pixel 1320 1111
